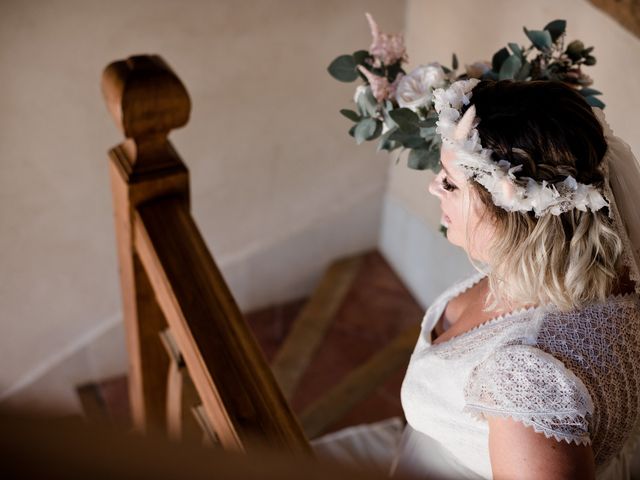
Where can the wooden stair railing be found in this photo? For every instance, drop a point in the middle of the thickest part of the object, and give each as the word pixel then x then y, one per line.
pixel 171 284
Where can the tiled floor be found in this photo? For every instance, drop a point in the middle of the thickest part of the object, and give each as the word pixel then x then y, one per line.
pixel 376 309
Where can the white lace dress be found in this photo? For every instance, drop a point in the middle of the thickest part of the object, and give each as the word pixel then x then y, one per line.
pixel 573 376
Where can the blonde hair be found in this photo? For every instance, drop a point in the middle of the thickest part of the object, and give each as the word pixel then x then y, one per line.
pixel 568 260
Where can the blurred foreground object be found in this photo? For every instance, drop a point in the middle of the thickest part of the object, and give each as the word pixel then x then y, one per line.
pixel 65 448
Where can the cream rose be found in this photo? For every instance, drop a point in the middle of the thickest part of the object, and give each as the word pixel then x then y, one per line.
pixel 415 90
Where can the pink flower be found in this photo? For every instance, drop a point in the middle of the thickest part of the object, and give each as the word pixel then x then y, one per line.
pixel 380 86
pixel 386 48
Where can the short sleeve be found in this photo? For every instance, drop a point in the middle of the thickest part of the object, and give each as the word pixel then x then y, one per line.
pixel 528 385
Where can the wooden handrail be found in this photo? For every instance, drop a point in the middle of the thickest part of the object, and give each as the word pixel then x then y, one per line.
pixel 236 386
pixel 170 280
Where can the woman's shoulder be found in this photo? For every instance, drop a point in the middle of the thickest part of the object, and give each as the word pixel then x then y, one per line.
pixel 588 336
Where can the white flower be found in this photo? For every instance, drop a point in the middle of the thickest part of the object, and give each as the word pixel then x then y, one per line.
pixel 498 177
pixel 542 196
pixel 416 89
pixel 439 102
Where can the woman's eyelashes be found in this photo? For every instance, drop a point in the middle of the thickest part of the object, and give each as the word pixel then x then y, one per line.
pixel 448 186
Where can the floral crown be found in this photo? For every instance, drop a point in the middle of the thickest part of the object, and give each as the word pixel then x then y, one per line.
pixel 459 133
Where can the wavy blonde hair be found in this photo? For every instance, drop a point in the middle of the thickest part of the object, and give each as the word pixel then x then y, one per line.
pixel 567 260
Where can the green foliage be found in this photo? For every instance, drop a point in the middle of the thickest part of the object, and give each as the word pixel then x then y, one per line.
pixel 343 68
pixel 515 48
pixel 367 129
pixel 594 101
pixel 498 58
pixel 541 39
pixel 510 67
pixel 423 159
pixel 367 104
pixel 406 119
pixel 545 58
pixel 556 29
pixel 350 114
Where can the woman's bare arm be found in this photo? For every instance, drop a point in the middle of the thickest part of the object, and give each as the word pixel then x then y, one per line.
pixel 519 452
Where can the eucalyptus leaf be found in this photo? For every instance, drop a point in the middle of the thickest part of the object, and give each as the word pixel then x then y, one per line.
pixel 350 114
pixel 360 56
pixel 367 103
pixel 454 62
pixel 430 121
pixel 388 145
pixel 427 132
pixel 385 143
pixel 377 131
pixel 406 119
pixel 590 60
pixel 499 57
pixel 515 48
pixel 343 68
pixel 388 120
pixel 408 140
pixel 510 67
pixel 595 101
pixel 556 28
pixel 524 72
pixel 352 131
pixel 418 159
pixel 422 159
pixel 575 49
pixel 365 129
pixel 541 39
pixel 587 92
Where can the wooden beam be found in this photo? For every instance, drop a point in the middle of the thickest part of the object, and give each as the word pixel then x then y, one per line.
pixel 625 12
pixel 311 325
pixel 358 384
pixel 238 390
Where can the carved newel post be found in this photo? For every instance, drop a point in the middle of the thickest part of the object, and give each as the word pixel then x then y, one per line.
pixel 147 100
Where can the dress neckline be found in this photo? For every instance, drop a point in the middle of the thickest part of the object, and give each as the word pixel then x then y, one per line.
pixel 472 281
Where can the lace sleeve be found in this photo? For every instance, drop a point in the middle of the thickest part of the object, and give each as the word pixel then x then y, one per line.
pixel 528 385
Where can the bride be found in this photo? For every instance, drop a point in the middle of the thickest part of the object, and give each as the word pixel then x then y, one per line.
pixel 531 368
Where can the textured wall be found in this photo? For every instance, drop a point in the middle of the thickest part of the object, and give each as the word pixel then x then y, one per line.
pixel 278 187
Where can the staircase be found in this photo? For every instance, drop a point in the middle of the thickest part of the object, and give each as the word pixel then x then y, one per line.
pixel 339 356
pixel 198 368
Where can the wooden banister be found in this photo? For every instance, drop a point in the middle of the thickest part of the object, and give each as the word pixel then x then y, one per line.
pixel 170 280
pixel 235 384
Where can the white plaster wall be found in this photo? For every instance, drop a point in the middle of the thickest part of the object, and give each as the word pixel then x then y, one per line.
pixel 475 30
pixel 278 187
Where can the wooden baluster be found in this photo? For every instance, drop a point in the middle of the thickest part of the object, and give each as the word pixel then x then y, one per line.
pixel 182 397
pixel 147 101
